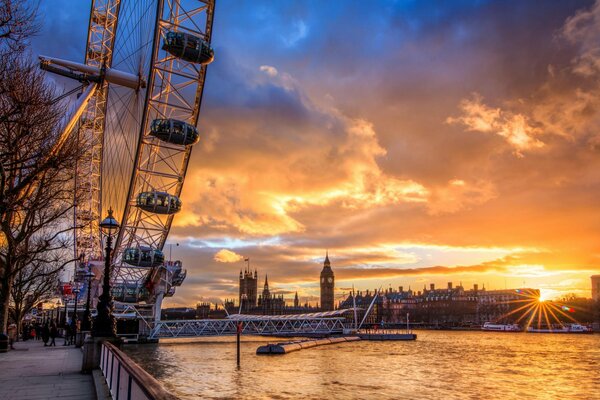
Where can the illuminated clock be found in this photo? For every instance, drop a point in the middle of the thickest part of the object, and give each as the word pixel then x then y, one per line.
pixel 322 280
pixel 329 279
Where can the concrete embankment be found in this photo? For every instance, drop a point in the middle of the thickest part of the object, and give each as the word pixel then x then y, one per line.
pixel 288 347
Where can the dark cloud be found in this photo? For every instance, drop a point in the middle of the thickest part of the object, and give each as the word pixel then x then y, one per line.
pixel 325 125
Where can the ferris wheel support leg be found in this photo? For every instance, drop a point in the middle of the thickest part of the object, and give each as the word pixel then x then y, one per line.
pixel 158 306
pixel 79 108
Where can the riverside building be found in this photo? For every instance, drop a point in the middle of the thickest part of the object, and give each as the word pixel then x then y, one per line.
pixel 450 306
pixel 595 287
pixel 268 303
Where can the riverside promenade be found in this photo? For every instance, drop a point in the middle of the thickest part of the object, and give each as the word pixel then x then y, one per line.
pixel 35 372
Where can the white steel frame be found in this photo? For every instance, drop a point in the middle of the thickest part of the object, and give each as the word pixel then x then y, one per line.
pixel 174 90
pixel 255 326
pixel 88 180
pixel 160 166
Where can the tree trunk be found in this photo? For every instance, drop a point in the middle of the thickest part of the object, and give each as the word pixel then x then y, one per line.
pixel 18 317
pixel 5 285
pixel 19 322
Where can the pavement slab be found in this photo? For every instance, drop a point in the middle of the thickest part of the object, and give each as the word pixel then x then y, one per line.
pixel 35 372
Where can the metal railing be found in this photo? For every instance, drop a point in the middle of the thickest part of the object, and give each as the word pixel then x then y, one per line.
pixel 126 380
pixel 255 326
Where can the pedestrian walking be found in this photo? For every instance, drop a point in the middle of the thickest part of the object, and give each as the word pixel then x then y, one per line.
pixel 53 334
pixel 68 334
pixel 25 332
pixel 12 335
pixel 72 326
pixel 45 333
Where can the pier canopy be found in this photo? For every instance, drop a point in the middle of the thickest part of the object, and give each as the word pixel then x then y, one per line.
pixel 158 202
pixel 324 314
pixel 174 131
pixel 143 257
pixel 188 47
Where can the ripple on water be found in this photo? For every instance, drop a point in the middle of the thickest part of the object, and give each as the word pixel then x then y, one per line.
pixel 449 365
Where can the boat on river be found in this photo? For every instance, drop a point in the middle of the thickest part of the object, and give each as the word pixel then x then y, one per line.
pixel 566 328
pixel 489 326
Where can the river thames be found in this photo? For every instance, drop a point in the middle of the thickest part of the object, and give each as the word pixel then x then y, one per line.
pixel 438 365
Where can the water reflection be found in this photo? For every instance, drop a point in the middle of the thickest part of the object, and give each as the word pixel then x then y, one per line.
pixel 450 365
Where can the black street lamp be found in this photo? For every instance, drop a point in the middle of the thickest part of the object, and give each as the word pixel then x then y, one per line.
pixel 76 291
pixel 86 323
pixel 57 308
pixel 105 324
pixel 66 317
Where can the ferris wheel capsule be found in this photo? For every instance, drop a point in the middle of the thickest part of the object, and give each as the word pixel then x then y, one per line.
pixel 188 47
pixel 158 202
pixel 174 131
pixel 143 257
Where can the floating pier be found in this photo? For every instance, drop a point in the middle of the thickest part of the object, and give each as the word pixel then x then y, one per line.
pixel 388 336
pixel 288 347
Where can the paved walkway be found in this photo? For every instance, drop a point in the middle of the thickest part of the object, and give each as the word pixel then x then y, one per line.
pixel 35 372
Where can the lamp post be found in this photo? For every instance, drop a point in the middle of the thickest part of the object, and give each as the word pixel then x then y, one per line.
pixel 105 324
pixel 65 317
pixel 76 292
pixel 57 308
pixel 86 323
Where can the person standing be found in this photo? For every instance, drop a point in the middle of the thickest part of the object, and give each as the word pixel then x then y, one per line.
pixel 53 334
pixel 67 335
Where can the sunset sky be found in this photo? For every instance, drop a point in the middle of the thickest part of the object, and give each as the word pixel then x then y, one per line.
pixel 419 142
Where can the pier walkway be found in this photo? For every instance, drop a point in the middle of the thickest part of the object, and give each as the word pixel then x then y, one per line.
pixel 35 372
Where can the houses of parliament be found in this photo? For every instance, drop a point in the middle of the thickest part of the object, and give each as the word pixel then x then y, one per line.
pixel 250 301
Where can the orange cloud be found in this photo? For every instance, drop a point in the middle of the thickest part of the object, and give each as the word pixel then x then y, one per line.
pixel 306 162
pixel 515 128
pixel 227 256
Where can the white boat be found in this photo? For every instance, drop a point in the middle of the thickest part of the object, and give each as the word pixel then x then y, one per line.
pixel 567 328
pixel 489 326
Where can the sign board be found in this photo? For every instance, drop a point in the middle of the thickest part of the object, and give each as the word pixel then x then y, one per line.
pixel 67 289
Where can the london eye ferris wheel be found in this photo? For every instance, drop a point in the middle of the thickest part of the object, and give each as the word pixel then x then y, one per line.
pixel 143 78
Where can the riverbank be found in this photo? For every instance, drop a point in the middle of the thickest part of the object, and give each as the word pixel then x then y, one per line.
pixel 35 372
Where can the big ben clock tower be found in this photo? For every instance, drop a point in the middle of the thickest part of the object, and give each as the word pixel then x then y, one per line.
pixel 327 285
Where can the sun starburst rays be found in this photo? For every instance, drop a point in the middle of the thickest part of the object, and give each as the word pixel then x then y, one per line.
pixel 538 312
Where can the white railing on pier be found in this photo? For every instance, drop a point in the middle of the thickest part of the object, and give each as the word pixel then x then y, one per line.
pixel 126 380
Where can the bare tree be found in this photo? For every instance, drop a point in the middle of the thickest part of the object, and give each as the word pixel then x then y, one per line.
pixel 17 24
pixel 36 167
pixel 35 283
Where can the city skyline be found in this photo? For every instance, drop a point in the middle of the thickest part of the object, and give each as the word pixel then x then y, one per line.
pixel 397 152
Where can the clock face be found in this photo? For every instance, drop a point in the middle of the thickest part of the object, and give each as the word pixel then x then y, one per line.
pixel 330 280
pixel 322 280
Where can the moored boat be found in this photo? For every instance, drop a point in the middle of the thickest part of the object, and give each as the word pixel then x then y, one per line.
pixel 566 328
pixel 489 326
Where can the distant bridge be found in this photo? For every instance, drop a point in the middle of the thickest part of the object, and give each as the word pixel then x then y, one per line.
pixel 324 323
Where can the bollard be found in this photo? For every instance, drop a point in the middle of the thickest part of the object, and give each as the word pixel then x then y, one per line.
pixel 79 338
